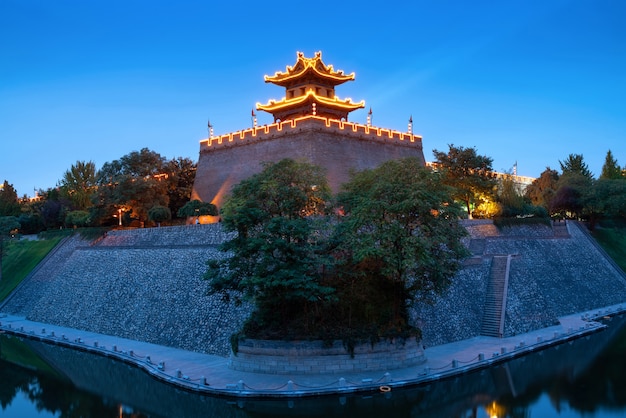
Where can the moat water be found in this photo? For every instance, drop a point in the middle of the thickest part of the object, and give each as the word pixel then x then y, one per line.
pixel 581 378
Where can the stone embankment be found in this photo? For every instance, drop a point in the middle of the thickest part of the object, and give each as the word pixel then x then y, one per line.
pixel 147 285
pixel 551 275
pixel 144 284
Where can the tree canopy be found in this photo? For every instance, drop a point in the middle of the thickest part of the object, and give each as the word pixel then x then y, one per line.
pixel 399 236
pixel 79 184
pixel 158 214
pixel 7 225
pixel 9 203
pixel 470 174
pixel 197 208
pixel 542 190
pixel 394 238
pixel 574 164
pixel 181 175
pixel 611 169
pixel 273 260
pixel 135 182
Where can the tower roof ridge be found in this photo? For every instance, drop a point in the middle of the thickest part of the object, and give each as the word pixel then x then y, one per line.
pixel 313 67
pixel 310 90
pixel 310 97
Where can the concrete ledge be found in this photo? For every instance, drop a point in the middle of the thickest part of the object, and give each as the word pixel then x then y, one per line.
pixel 317 357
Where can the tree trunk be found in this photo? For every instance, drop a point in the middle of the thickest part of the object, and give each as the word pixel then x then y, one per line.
pixel 469 211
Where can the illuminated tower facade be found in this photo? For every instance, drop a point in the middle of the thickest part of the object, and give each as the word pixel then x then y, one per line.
pixel 310 123
pixel 310 90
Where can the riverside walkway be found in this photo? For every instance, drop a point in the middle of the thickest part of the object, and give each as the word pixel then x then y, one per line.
pixel 210 374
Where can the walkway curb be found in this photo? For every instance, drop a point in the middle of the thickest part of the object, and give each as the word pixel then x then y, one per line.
pixel 209 374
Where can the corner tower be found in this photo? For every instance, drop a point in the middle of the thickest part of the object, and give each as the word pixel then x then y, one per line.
pixel 310 90
pixel 310 123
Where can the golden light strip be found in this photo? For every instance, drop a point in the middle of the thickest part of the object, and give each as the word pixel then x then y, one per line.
pixel 273 105
pixel 293 123
pixel 309 64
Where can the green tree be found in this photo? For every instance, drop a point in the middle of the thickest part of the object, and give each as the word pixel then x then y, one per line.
pixel 610 169
pixel 273 259
pixel 181 175
pixel 7 225
pixel 159 214
pixel 9 203
pixel 575 164
pixel 607 198
pixel 542 189
pixel 78 218
pixel 135 182
pixel 469 173
pixel 197 208
pixel 573 191
pixel 573 188
pixel 54 208
pixel 399 238
pixel 509 196
pixel 79 184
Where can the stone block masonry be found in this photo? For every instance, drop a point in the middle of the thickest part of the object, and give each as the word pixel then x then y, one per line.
pixel 314 357
pixel 143 284
pixel 147 285
pixel 550 276
pixel 337 147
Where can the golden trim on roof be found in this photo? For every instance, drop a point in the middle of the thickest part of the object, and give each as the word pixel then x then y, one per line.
pixel 310 96
pixel 305 65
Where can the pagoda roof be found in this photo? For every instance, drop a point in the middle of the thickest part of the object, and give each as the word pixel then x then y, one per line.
pixel 309 68
pixel 310 97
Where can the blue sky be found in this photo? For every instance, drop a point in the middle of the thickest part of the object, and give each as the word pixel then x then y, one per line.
pixel 526 81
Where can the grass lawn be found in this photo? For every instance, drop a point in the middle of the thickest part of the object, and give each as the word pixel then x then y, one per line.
pixel 613 240
pixel 20 257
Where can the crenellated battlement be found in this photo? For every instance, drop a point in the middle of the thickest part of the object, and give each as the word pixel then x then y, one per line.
pixel 310 123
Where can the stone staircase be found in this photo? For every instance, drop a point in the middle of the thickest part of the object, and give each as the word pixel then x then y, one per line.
pixel 495 300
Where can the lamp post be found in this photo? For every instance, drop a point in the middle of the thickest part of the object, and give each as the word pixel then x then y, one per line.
pixel 119 216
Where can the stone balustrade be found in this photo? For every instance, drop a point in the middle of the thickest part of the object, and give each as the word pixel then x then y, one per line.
pixel 317 357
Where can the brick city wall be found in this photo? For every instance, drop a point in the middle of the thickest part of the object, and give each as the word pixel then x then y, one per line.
pixel 337 146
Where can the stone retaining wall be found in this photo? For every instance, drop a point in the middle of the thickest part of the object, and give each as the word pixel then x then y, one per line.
pixel 549 277
pixel 146 284
pixel 338 151
pixel 315 357
pixel 201 235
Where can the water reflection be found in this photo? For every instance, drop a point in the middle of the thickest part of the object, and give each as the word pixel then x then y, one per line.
pixel 584 377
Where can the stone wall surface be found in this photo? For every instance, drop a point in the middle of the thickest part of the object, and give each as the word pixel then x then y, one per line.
pixel 188 235
pixel 146 284
pixel 318 357
pixel 220 169
pixel 549 278
pixel 143 284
